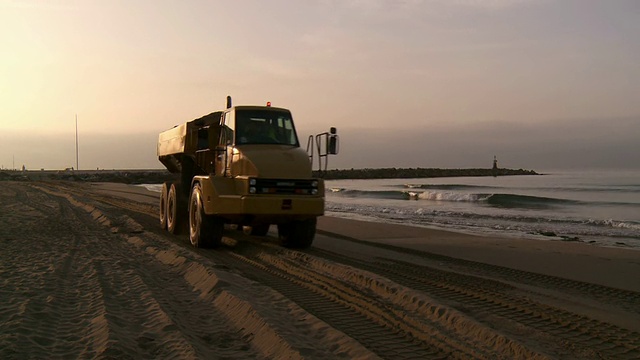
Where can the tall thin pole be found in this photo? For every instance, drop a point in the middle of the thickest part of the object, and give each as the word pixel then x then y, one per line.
pixel 77 167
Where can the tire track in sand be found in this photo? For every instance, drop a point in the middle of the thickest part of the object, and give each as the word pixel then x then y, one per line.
pixel 50 278
pixel 257 317
pixel 625 299
pixel 370 325
pixel 582 335
pixel 377 317
pixel 270 322
pixel 145 313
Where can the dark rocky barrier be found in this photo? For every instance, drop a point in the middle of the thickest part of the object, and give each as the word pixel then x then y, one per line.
pixel 117 176
pixel 397 173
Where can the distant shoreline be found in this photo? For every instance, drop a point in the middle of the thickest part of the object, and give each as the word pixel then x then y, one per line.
pixel 157 176
pixel 411 173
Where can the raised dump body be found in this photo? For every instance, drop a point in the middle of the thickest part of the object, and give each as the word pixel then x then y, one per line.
pixel 242 166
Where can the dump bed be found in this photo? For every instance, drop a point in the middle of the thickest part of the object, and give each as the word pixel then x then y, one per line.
pixel 182 140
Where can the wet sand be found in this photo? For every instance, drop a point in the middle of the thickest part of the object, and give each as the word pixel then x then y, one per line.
pixel 615 267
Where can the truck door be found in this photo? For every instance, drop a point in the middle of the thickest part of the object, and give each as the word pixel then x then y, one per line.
pixel 225 145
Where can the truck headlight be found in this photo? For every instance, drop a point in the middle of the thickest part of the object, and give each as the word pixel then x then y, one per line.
pixel 252 182
pixel 314 191
pixel 252 190
pixel 314 184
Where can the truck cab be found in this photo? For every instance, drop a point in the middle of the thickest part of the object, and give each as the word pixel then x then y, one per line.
pixel 260 141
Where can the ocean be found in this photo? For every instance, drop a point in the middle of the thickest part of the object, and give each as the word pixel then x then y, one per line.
pixel 597 207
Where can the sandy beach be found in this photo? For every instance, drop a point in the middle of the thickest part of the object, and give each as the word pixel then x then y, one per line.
pixel 86 272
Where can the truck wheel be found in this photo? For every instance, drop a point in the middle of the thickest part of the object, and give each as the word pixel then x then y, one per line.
pixel 260 230
pixel 163 205
pixel 204 230
pixel 297 234
pixel 175 209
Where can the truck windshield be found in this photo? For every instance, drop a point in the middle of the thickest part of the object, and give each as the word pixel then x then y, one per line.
pixel 265 127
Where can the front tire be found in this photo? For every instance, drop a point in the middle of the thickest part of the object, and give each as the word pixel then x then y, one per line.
pixel 297 234
pixel 204 230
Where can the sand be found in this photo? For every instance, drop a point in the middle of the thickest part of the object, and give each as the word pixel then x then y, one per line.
pixel 606 266
pixel 86 272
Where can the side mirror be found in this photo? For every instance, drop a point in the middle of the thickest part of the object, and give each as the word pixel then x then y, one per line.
pixel 327 143
pixel 333 145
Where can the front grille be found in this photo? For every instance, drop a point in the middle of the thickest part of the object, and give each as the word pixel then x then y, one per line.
pixel 285 186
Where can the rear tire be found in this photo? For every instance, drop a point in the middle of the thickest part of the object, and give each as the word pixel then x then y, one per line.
pixel 297 234
pixel 204 230
pixel 163 205
pixel 175 209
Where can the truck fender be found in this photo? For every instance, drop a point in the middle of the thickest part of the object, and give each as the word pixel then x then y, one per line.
pixel 212 188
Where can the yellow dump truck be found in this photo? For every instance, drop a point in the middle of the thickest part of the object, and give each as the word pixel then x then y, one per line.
pixel 243 166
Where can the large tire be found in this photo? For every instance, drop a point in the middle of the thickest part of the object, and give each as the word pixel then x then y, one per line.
pixel 260 230
pixel 163 205
pixel 175 209
pixel 297 234
pixel 204 231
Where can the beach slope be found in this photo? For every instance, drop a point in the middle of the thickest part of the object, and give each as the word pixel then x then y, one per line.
pixel 87 272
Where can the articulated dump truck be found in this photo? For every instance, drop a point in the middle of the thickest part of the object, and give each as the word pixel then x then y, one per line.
pixel 243 166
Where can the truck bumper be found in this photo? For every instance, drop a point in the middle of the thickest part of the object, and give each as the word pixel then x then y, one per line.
pixel 223 197
pixel 269 208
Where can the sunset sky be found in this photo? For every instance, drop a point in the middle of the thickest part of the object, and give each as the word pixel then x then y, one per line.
pixel 435 83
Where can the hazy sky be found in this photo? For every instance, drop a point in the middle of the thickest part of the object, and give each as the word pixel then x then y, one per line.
pixel 409 83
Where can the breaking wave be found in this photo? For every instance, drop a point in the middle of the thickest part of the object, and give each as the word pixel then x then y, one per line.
pixel 513 222
pixel 445 186
pixel 497 200
pixel 596 189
